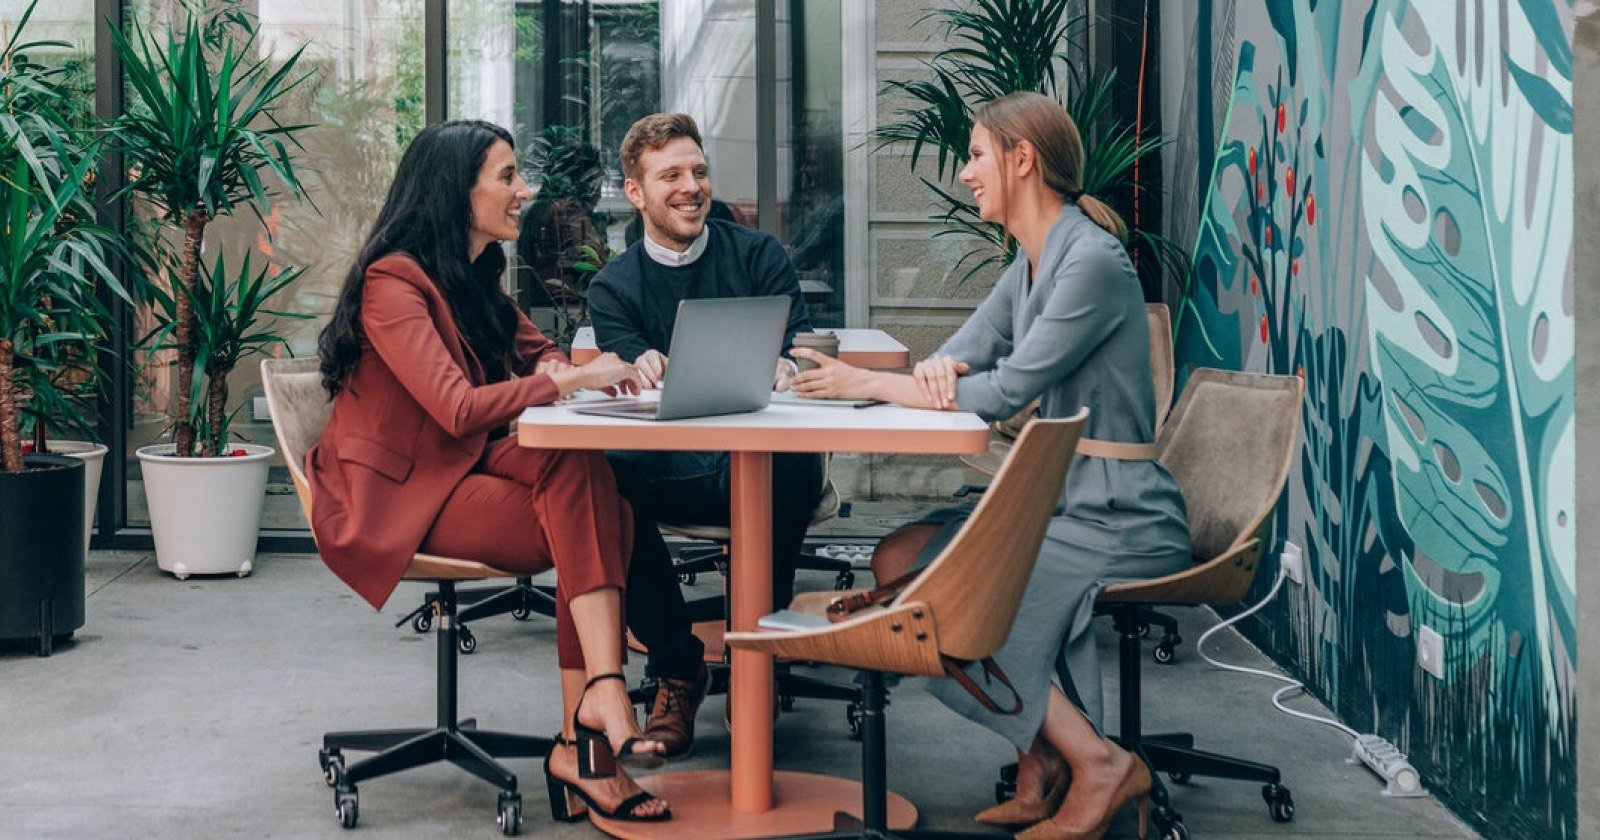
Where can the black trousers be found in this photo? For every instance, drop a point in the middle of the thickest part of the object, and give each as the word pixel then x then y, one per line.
pixel 691 488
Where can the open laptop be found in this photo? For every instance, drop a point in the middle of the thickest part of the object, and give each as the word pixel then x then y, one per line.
pixel 723 353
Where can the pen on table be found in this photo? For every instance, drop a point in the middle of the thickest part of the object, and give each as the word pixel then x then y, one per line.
pixel 870 403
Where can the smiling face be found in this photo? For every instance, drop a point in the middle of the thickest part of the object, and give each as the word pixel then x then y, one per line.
pixel 672 192
pixel 983 174
pixel 497 199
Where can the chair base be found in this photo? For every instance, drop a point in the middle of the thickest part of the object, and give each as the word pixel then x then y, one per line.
pixel 459 742
pixel 522 599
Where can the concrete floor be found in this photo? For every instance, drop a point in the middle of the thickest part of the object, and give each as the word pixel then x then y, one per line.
pixel 194 709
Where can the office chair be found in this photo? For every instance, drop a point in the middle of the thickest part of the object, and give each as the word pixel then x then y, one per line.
pixel 961 606
pixel 1162 370
pixel 300 408
pixel 1230 444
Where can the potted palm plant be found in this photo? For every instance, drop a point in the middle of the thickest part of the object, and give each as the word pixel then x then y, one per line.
pixel 200 139
pixel 51 258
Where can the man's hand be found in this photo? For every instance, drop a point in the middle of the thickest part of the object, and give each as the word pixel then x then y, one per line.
pixel 831 379
pixel 781 376
pixel 936 376
pixel 652 367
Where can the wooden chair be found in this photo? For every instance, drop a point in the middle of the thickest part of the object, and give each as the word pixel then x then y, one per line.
pixel 1230 444
pixel 961 606
pixel 300 408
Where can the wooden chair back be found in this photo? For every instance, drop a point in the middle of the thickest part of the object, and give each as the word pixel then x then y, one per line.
pixel 1230 444
pixel 299 408
pixel 963 603
pixel 1162 367
pixel 974 586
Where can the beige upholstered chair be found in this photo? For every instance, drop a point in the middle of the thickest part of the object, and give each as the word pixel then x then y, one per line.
pixel 1230 444
pixel 961 606
pixel 1004 432
pixel 300 408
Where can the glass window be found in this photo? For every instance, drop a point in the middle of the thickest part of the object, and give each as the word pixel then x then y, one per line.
pixel 569 77
pixel 365 101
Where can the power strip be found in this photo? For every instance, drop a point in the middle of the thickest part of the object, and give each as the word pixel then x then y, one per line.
pixel 1389 763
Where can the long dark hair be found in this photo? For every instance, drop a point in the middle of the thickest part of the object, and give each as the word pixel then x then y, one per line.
pixel 427 215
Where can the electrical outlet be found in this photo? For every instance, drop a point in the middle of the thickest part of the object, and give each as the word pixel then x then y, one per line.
pixel 1294 563
pixel 1430 651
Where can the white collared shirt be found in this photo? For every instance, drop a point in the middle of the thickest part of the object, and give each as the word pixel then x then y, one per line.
pixel 677 259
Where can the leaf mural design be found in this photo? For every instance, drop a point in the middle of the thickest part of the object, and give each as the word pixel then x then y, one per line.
pixel 1467 197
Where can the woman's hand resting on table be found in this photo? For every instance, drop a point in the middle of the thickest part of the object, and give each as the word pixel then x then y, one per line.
pixel 831 379
pixel 936 376
pixel 607 373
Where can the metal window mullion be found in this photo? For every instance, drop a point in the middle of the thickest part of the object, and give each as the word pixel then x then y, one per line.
pixel 116 392
pixel 435 90
pixel 767 115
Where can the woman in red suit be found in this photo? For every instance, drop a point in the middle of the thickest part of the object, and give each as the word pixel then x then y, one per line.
pixel 428 362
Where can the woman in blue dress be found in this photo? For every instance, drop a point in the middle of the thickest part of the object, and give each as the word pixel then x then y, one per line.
pixel 1065 325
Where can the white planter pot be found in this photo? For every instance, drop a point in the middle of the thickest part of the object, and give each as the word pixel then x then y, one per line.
pixel 93 456
pixel 205 513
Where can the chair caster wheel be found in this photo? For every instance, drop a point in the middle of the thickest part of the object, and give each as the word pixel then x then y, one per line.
pixel 522 613
pixel 346 807
pixel 852 715
pixel 332 762
pixel 1179 778
pixel 1143 629
pixel 688 578
pixel 467 642
pixel 786 702
pixel 1163 653
pixel 510 817
pixel 1280 804
pixel 1169 825
pixel 844 580
pixel 423 622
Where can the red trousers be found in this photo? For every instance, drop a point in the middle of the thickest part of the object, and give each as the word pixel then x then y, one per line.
pixel 528 510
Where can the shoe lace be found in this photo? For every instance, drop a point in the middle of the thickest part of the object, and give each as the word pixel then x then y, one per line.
pixel 672 697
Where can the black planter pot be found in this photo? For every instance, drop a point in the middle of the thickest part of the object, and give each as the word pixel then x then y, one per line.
pixel 41 550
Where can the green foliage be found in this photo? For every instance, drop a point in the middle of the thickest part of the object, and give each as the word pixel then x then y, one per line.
pixel 200 132
pixel 1002 47
pixel 51 254
pixel 233 323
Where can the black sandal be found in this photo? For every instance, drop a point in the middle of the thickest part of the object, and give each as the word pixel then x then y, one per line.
pixel 596 760
pixel 565 808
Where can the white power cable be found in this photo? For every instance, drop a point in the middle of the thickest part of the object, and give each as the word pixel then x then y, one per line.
pixel 1290 684
pixel 1372 750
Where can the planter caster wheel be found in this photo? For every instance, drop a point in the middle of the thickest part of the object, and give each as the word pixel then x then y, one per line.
pixel 1280 804
pixel 346 807
pixel 244 570
pixel 510 817
pixel 467 642
pixel 332 762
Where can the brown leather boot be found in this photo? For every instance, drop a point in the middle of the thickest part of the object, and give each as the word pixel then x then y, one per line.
pixel 672 714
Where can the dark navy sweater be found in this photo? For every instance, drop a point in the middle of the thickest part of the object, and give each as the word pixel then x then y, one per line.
pixel 633 301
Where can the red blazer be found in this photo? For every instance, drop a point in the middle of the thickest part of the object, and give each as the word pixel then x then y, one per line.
pixel 411 421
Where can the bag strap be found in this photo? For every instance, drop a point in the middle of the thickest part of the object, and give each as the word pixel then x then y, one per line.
pixel 844 606
pixel 955 669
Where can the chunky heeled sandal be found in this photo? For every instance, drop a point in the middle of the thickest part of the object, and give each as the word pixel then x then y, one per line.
pixel 596 760
pixel 571 803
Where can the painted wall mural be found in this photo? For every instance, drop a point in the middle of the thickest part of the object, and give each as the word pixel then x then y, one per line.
pixel 1386 211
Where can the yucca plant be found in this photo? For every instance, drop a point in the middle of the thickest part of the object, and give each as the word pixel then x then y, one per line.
pixel 51 254
pixel 200 132
pixel 232 323
pixel 1007 46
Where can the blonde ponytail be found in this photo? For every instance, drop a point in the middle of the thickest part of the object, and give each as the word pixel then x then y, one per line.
pixel 1104 216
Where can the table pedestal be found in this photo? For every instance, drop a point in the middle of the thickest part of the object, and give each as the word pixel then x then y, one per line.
pixel 804 803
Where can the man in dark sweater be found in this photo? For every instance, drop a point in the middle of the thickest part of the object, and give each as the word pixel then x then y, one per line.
pixel 633 303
